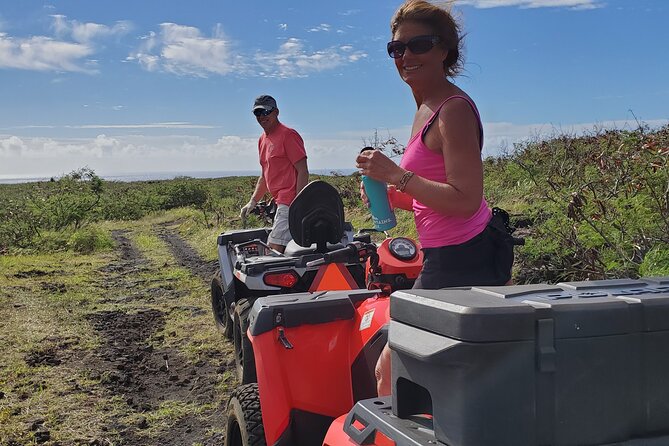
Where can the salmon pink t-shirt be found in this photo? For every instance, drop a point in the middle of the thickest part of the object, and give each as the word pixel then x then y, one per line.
pixel 279 151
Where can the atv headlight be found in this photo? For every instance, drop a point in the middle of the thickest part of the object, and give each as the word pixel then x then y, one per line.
pixel 403 248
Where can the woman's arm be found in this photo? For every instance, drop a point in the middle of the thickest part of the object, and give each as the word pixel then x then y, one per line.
pixel 458 138
pixel 456 135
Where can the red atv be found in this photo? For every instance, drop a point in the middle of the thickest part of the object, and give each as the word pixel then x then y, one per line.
pixel 251 269
pixel 572 364
pixel 577 363
pixel 314 351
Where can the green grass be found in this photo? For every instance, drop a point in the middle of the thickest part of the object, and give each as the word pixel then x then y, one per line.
pixel 42 305
pixel 44 301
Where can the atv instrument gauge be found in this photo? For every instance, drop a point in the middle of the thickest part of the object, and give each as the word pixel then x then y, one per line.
pixel 402 248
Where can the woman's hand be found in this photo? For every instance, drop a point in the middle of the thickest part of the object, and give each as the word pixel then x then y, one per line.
pixel 374 164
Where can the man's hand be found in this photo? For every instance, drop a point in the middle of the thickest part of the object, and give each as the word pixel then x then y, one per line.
pixel 246 209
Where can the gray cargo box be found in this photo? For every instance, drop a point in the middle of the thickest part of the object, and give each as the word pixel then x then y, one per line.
pixel 580 363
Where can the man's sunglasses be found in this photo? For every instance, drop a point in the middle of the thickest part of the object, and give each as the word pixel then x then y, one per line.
pixel 262 112
pixel 417 45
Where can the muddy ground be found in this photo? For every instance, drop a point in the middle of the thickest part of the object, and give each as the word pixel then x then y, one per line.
pixel 132 361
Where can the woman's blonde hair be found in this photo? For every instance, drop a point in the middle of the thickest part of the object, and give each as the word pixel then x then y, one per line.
pixel 443 25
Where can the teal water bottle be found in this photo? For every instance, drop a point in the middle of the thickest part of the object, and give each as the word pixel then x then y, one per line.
pixel 379 206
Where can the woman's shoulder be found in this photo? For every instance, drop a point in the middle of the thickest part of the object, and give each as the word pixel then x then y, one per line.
pixel 457 98
pixel 458 105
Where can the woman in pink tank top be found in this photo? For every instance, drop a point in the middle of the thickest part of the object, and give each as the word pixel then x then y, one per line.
pixel 440 177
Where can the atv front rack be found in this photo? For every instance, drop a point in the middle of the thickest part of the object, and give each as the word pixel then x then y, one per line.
pixel 376 416
pixel 369 417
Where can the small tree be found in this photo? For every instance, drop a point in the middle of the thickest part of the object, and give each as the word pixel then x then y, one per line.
pixel 70 200
pixel 390 146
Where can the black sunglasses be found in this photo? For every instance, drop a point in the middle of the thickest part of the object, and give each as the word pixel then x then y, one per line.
pixel 417 45
pixel 262 112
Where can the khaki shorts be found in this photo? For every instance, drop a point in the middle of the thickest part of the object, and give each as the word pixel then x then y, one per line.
pixel 280 234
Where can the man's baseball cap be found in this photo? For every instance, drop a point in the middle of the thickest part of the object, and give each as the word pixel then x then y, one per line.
pixel 265 102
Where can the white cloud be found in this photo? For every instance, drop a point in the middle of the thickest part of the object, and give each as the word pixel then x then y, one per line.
pixel 501 136
pixel 322 27
pixel 571 4
pixel 184 50
pixel 41 53
pixel 86 32
pixel 12 146
pixel 293 60
pixel 283 26
pixel 44 53
pixel 45 156
pixel 154 125
pixel 108 155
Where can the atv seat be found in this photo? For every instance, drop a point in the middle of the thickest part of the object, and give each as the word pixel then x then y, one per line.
pixel 316 220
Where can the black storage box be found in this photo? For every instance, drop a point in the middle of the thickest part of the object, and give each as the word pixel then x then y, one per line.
pixel 581 363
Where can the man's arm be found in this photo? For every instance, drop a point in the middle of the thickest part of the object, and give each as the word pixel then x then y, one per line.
pixel 260 190
pixel 302 174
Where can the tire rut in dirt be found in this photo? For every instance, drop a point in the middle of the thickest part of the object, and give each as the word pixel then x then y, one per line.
pixel 130 260
pixel 133 362
pixel 127 364
pixel 127 249
pixel 186 256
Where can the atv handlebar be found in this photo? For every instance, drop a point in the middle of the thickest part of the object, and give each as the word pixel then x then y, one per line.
pixel 353 252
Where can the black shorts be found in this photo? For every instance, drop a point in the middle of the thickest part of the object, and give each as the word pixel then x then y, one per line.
pixel 484 260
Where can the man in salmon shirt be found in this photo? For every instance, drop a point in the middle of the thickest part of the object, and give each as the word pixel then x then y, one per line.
pixel 284 168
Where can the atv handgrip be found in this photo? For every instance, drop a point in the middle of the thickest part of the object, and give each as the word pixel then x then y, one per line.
pixel 338 255
pixel 353 252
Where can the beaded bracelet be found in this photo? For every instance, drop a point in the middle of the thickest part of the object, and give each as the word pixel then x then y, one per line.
pixel 404 180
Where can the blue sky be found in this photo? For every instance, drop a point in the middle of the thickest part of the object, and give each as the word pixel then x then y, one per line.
pixel 144 86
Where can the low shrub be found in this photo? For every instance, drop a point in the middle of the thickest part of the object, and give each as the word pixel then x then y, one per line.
pixel 90 239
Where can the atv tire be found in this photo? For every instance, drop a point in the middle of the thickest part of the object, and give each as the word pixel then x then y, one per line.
pixel 244 359
pixel 220 308
pixel 244 418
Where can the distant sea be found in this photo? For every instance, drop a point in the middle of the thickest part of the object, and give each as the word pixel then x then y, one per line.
pixel 154 176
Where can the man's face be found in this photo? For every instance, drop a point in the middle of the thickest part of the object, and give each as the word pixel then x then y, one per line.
pixel 268 119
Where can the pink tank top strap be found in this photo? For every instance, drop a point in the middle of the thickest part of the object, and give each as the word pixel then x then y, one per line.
pixel 429 122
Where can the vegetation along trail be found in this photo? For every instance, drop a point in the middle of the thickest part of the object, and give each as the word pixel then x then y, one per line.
pixel 106 332
pixel 112 348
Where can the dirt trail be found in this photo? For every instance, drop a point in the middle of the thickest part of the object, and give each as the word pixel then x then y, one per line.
pixel 139 385
pixel 186 256
pixel 132 363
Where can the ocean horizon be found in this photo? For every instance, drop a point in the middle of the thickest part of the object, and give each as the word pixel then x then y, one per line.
pixel 157 176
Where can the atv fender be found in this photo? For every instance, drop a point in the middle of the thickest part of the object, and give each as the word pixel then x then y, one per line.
pixel 229 297
pixel 225 261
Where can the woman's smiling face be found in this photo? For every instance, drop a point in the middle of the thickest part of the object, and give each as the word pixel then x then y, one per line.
pixel 419 67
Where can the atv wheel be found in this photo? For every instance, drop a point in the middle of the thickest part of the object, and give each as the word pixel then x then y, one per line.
pixel 244 425
pixel 220 309
pixel 244 359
